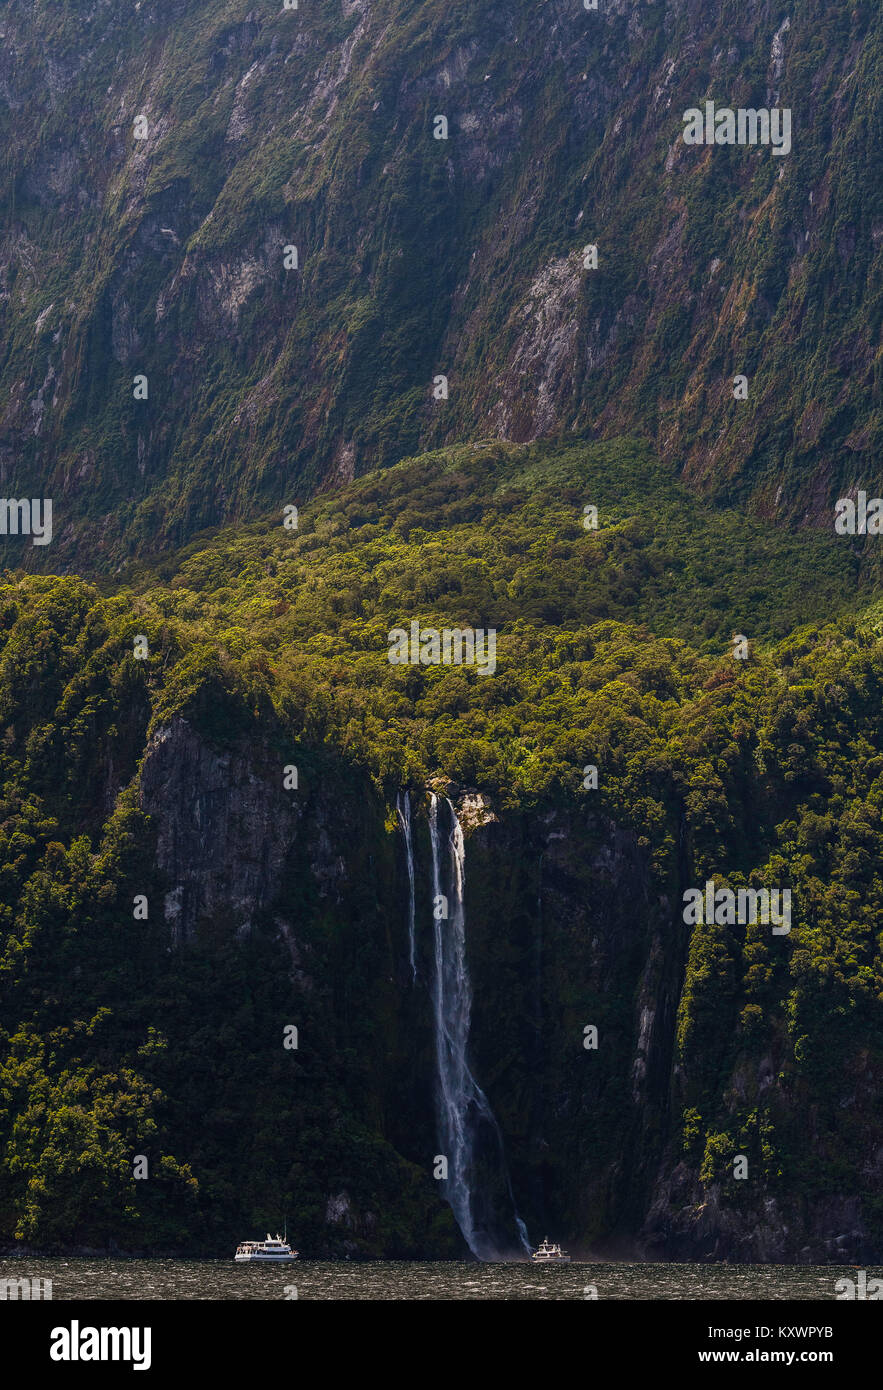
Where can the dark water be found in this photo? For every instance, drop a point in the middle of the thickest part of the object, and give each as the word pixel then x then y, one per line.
pixel 222 1279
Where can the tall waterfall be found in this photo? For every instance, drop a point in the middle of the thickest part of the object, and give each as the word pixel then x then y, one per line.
pixel 465 1118
pixel 403 807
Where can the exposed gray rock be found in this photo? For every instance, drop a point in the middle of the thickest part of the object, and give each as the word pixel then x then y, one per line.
pixel 222 830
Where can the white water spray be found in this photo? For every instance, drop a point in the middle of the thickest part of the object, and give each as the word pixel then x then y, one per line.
pixel 460 1100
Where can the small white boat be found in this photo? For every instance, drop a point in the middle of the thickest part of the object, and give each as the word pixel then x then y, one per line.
pixel 547 1254
pixel 273 1250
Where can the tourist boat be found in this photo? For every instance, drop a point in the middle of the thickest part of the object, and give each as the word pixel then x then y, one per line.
pixel 547 1254
pixel 273 1250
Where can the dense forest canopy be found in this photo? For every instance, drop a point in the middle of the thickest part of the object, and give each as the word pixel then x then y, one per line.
pixel 614 649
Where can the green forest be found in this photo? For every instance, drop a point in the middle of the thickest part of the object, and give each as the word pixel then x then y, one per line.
pixel 615 649
pixel 320 323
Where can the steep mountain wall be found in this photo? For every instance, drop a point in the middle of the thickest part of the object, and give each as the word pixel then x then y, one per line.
pixel 567 925
pixel 266 129
pixel 173 903
pixel 269 908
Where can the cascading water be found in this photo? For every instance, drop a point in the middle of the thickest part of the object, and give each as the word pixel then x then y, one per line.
pixel 403 807
pixel 462 1106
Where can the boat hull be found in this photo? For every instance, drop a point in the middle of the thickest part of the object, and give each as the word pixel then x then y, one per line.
pixel 263 1259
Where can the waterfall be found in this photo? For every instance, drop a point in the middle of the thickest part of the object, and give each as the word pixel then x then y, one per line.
pixel 462 1107
pixel 403 807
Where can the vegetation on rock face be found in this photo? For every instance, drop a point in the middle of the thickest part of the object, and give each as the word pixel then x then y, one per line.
pixel 614 649
pixel 268 128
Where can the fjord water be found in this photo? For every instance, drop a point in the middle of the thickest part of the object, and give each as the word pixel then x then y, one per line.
pixel 453 1280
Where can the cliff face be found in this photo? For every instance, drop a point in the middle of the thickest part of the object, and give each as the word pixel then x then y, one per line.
pixel 222 831
pixel 161 165
pixel 309 876
pixel 568 927
pixel 204 890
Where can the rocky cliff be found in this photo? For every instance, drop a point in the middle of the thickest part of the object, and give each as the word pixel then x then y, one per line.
pixel 205 889
pixel 568 927
pixel 255 212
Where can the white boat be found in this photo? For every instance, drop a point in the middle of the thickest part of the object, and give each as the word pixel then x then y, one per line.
pixel 273 1250
pixel 547 1254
